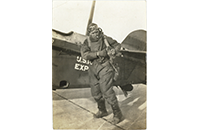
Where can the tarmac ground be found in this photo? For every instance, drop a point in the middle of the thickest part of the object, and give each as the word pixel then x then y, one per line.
pixel 74 109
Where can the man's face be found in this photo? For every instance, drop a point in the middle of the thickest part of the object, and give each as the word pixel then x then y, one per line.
pixel 95 33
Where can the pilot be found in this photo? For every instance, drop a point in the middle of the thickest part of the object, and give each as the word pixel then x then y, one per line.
pixel 101 72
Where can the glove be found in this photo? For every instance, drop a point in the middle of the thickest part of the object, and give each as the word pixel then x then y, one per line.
pixel 111 51
pixel 102 53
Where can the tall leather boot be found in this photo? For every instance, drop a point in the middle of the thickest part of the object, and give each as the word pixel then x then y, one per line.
pixel 117 114
pixel 102 109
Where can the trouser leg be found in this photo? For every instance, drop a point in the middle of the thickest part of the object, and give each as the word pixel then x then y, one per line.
pixel 106 86
pixel 98 97
pixel 102 109
pixel 117 114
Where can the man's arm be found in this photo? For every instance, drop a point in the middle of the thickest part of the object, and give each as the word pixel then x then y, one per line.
pixel 113 43
pixel 87 54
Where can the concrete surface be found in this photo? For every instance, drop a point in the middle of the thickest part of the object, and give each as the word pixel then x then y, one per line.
pixel 74 109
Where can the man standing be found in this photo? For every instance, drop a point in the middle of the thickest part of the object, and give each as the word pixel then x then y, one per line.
pixel 101 72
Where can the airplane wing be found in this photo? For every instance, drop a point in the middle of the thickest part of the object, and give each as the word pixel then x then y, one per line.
pixel 67 43
pixel 71 37
pixel 135 41
pixel 133 62
pixel 132 68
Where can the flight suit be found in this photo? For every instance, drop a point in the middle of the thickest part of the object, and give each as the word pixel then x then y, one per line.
pixel 101 74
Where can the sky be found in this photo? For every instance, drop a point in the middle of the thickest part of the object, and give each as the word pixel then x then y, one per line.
pixel 116 18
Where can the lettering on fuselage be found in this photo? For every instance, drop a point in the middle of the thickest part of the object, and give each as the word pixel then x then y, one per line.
pixel 80 65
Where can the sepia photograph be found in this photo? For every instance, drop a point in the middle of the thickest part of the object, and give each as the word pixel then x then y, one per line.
pixel 86 65
pixel 99 52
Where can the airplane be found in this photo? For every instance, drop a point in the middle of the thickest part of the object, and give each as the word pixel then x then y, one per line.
pixel 70 70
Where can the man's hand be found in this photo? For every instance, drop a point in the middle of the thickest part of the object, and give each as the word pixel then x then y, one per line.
pixel 111 51
pixel 102 53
